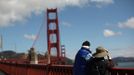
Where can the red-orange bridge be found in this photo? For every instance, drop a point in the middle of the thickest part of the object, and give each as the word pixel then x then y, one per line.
pixel 55 67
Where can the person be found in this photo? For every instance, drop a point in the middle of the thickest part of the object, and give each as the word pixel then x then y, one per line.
pixel 98 65
pixel 81 59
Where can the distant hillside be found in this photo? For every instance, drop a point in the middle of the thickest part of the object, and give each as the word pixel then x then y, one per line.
pixel 9 54
pixel 123 59
pixel 69 61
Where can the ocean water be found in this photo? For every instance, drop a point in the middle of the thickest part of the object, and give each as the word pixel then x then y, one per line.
pixel 125 65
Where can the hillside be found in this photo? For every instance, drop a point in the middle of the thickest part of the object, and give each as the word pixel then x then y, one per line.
pixel 123 59
pixel 9 54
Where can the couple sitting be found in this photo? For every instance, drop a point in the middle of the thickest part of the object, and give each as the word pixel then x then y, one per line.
pixel 87 63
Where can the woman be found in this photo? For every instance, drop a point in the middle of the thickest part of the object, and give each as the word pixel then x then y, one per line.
pixel 98 65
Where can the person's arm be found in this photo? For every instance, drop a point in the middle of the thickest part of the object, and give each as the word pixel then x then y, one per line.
pixel 110 63
pixel 86 55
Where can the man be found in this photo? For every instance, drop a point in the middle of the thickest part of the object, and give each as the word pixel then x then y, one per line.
pixel 81 59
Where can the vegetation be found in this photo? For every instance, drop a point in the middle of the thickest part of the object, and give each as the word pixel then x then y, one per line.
pixel 9 54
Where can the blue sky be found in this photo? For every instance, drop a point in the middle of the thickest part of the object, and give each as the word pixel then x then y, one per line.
pixel 107 23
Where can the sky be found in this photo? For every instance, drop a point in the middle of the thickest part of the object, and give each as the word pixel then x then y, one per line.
pixel 106 23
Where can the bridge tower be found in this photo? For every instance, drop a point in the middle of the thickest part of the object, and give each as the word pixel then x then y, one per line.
pixel 53 37
pixel 63 54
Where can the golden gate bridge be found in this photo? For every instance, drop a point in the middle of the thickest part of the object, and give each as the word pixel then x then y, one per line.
pixel 51 65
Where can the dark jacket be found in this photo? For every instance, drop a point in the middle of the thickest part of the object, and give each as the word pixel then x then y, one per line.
pixel 81 59
pixel 98 66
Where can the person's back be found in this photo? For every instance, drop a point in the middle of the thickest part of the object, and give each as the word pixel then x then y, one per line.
pixel 81 58
pixel 98 65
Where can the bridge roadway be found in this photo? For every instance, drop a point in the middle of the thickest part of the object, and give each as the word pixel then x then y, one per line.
pixel 15 68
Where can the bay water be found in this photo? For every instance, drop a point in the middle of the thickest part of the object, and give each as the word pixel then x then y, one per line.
pixel 125 65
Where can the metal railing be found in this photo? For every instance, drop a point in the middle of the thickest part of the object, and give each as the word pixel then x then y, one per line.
pixel 35 69
pixel 122 71
pixel 13 68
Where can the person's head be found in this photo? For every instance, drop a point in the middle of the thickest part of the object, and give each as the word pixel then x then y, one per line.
pixel 100 52
pixel 86 44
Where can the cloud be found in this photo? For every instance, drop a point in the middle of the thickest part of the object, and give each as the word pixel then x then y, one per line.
pixel 109 33
pixel 66 24
pixel 30 37
pixel 100 3
pixel 12 11
pixel 127 24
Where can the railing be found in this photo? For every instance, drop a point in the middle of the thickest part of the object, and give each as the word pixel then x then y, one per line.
pixel 36 69
pixel 122 71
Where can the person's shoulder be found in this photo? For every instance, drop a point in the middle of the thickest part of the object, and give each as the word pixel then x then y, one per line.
pixel 84 50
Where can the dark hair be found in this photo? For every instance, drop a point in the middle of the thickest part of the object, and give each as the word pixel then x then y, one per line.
pixel 86 43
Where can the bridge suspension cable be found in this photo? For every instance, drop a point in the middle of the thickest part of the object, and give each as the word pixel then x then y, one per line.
pixel 37 35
